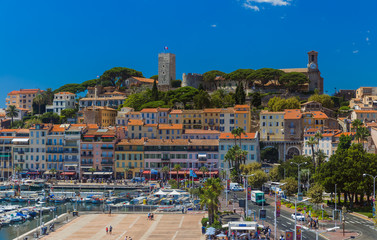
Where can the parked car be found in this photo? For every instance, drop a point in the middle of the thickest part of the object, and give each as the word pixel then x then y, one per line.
pixel 299 216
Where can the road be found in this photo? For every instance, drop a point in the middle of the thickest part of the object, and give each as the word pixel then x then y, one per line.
pixel 285 221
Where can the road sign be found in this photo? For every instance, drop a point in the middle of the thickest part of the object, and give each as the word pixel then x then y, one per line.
pixel 289 235
pixel 249 193
pixel 278 206
pixel 262 214
pixel 298 233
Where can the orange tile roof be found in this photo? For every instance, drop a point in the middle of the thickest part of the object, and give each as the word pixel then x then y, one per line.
pixel 292 114
pixel 132 141
pixel 344 133
pixel 243 136
pixel 149 110
pixel 163 109
pixel 57 128
pixel 319 115
pixel 25 91
pixel 59 93
pixel 145 80
pixel 135 122
pixel 23 109
pixel 212 110
pixel 268 112
pixel 365 111
pixel 170 126
pixel 201 131
pixel 242 106
pixel 176 111
pixel 241 112
pixel 9 130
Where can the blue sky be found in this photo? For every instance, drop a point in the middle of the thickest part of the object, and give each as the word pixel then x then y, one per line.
pixel 50 43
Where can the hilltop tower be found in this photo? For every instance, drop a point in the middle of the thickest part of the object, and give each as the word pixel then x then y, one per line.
pixel 314 75
pixel 166 70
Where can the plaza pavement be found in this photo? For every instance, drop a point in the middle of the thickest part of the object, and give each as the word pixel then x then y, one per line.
pixel 137 226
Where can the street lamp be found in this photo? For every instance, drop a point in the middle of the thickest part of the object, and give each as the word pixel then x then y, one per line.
pixel 296 201
pixel 298 173
pixel 246 176
pixel 374 189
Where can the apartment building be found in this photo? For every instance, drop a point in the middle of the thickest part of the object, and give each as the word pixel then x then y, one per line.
pixel 364 115
pixel 62 100
pixel 38 139
pixel 22 98
pixel 211 119
pixel 170 131
pixel 325 144
pixel 55 148
pixel 192 119
pixel 242 117
pixel 200 134
pixel 125 114
pixel 271 126
pixel 102 116
pixel 176 116
pixel 129 158
pixel 249 143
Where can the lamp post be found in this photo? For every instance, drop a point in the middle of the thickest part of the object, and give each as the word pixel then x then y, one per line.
pixel 298 180
pixel 296 201
pixel 246 176
pixel 275 231
pixel 374 190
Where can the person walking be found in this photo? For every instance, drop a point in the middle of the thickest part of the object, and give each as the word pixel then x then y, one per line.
pixel 111 229
pixel 107 230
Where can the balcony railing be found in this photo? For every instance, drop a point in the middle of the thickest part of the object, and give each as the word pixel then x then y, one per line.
pixel 72 159
pixel 54 151
pixel 71 151
pixel 86 154
pixel 107 162
pixel 86 163
pixel 107 147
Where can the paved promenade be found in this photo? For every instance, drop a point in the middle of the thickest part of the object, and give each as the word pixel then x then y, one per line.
pixel 165 226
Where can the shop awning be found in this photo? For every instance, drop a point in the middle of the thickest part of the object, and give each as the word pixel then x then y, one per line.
pixel 109 136
pixel 68 173
pixel 20 140
pixel 202 155
pixel 88 136
pixel 70 165
pixel 32 173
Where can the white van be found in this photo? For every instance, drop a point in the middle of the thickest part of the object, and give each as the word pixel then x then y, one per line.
pixel 236 187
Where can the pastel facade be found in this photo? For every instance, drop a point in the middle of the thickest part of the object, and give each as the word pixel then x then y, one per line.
pixel 22 98
pixel 62 101
pixel 271 126
pixel 129 158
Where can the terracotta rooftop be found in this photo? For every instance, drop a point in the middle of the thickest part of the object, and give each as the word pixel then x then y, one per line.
pixel 25 91
pixel 319 115
pixel 242 106
pixel 212 110
pixel 201 131
pixel 292 114
pixel 149 110
pixel 268 112
pixel 135 122
pixel 65 93
pixel 132 141
pixel 243 136
pixel 345 133
pixel 176 111
pixel 145 80
pixel 170 126
pixel 57 128
pixel 365 111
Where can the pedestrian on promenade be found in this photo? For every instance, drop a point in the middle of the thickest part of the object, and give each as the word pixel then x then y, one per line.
pixel 111 229
pixel 107 230
pixel 110 212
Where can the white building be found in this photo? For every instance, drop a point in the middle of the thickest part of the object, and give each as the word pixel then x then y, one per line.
pixel 38 135
pixel 62 100
pixel 250 143
pixel 325 144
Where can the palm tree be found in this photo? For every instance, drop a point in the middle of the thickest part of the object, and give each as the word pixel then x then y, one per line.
pixel 53 171
pixel 92 170
pixel 204 169
pixel 12 112
pixel 177 168
pixel 356 124
pixel 18 169
pixel 237 132
pixel 126 171
pixel 311 143
pixel 362 134
pixel 210 197
pixel 32 121
pixel 318 136
pixel 223 174
pixel 321 157
pixel 38 100
pixel 165 170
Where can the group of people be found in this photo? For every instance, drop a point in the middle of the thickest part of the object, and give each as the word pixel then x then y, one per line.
pixel 312 222
pixel 109 230
pixel 150 216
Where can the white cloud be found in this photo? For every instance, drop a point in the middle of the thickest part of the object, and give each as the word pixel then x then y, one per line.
pixel 253 4
pixel 213 25
pixel 356 51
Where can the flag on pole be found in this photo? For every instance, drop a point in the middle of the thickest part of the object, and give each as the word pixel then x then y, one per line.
pixel 192 174
pixel 166 48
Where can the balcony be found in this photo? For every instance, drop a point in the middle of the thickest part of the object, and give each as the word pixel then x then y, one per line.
pixel 107 157
pixel 71 151
pixel 107 162
pixel 107 147
pixel 70 145
pixel 165 159
pixel 72 159
pixel 54 151
pixel 86 163
pixel 87 154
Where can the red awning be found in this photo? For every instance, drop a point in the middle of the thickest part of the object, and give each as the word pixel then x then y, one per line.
pixel 108 136
pixel 180 172
pixel 31 173
pixel 68 173
pixel 146 172
pixel 88 136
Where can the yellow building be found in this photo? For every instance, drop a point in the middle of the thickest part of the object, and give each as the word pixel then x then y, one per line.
pixel 211 118
pixel 170 131
pixel 129 158
pixel 192 119
pixel 103 116
pixel 22 98
pixel 176 117
pixel 242 117
pixel 271 126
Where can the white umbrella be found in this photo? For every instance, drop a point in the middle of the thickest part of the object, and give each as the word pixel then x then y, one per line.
pixel 174 193
pixel 161 193
pixel 221 235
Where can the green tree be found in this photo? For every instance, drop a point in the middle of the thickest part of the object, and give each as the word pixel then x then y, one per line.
pixel 165 170
pixel 126 170
pixel 324 99
pixel 249 168
pixel 211 75
pixel 311 143
pixel 12 112
pixel 177 168
pixel 344 142
pixel 293 80
pixel 274 174
pixel 18 169
pixel 277 104
pixel 259 178
pixel 204 170
pixel 264 75
pixel 316 193
pixel 92 170
pixel 256 99
pixel 30 122
pixel 290 187
pixel 53 172
pixel 220 99
pixel 176 83
pixel 48 96
pixel 50 117
pixel 210 197
pixel 202 100
pixel 270 154
pixel 71 87
pixel 239 74
pixel 240 96
pixel 155 91
pixel 154 77
pixel 117 75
